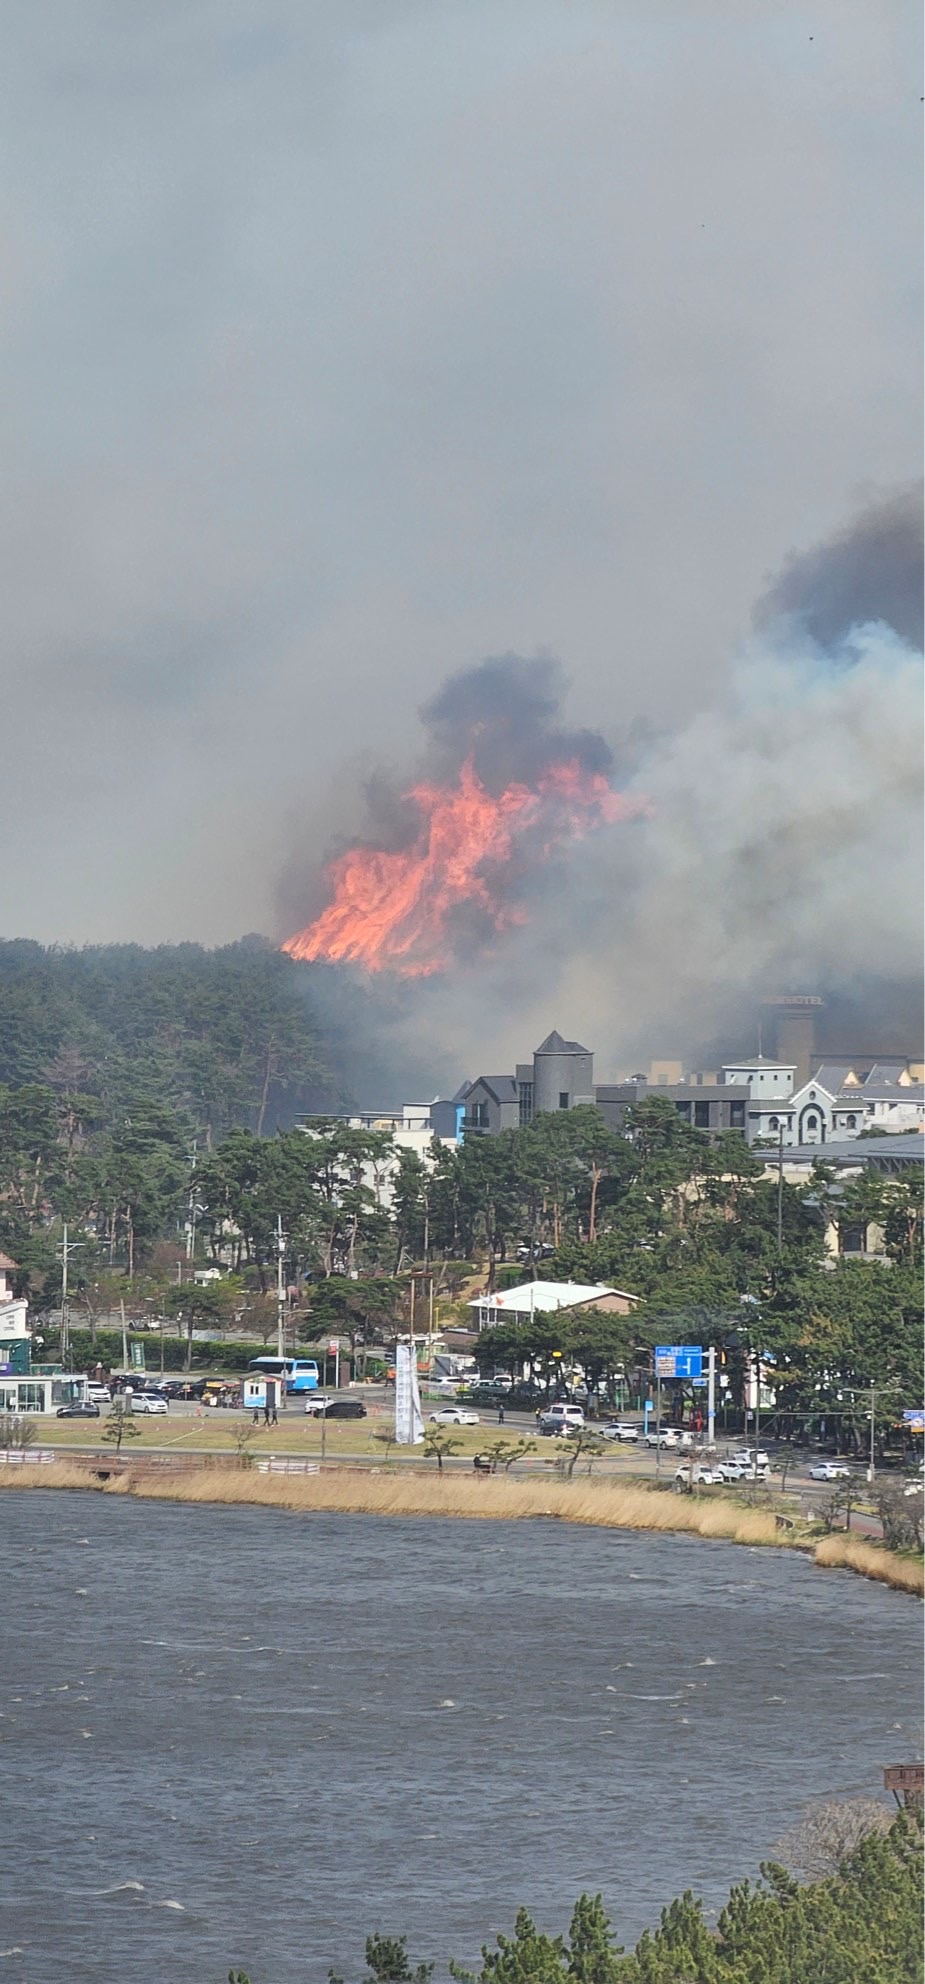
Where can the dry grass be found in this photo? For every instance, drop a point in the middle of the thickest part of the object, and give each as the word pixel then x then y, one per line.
pixel 852 1553
pixel 599 1504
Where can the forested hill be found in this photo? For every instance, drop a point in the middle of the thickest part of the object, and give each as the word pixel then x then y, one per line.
pixel 226 1037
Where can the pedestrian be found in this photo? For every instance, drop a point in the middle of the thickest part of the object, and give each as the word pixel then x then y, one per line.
pixel 500 1415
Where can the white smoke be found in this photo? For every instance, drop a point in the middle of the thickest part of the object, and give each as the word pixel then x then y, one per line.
pixel 784 849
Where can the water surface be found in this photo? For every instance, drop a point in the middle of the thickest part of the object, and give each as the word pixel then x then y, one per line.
pixel 232 1736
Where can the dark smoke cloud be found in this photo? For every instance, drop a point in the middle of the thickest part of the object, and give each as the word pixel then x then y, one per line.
pixel 504 714
pixel 870 570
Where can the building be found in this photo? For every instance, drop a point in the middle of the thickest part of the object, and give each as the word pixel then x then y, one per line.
pixel 560 1076
pixel 838 1102
pixel 713 1109
pixel 25 1387
pixel 540 1298
pixel 892 1157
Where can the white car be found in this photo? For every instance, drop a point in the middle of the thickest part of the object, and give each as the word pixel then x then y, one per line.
pixel 694 1476
pixel 829 1470
pixel 668 1437
pixel 317 1403
pixel 753 1463
pixel 143 1402
pixel 454 1415
pixel 99 1395
pixel 561 1419
pixel 619 1429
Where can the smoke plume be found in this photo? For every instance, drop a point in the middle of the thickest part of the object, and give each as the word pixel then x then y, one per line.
pixel 776 844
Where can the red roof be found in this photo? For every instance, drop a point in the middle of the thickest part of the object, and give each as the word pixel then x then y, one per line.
pixel 5 1262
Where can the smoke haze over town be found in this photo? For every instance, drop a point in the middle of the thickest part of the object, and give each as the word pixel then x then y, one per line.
pixel 553 376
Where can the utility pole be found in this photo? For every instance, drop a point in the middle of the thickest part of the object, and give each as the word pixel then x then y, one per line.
pixel 711 1395
pixel 780 1189
pixel 280 1294
pixel 191 1222
pixel 64 1315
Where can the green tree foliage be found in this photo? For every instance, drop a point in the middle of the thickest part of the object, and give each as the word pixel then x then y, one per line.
pixel 860 1925
pixel 227 1037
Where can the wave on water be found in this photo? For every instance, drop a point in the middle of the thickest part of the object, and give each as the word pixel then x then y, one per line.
pixel 101 1894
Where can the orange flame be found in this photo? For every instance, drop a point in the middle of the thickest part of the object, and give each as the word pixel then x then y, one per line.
pixel 392 910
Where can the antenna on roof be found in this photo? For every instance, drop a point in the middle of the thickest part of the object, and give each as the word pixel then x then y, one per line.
pixel 759 1040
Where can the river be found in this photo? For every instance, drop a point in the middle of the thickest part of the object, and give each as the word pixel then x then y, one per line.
pixel 235 1736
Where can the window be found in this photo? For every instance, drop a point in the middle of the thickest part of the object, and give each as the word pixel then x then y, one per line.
pixel 684 1109
pixel 773 1123
pixel 701 1115
pixel 525 1103
pixel 851 1122
pixel 812 1122
pixel 563 1098
pixel 736 1115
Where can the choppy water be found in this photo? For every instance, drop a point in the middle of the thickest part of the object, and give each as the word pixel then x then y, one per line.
pixel 231 1736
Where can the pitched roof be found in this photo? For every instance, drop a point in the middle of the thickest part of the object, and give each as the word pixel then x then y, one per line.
pixel 834 1075
pixel 554 1044
pixel 502 1087
pixel 6 1265
pixel 541 1296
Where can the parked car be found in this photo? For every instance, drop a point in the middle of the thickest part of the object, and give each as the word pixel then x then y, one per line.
pixel 728 1470
pixel 99 1395
pixel 346 1408
pixel 454 1415
pixel 695 1476
pixel 81 1409
pixel 829 1470
pixel 148 1402
pixel 668 1437
pixel 562 1419
pixel 619 1429
pixel 752 1462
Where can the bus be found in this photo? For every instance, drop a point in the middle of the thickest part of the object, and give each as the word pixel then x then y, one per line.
pixel 301 1373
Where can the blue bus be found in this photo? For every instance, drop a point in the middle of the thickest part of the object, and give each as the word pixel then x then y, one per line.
pixel 301 1373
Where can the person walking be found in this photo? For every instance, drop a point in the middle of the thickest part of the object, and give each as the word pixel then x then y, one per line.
pixel 500 1415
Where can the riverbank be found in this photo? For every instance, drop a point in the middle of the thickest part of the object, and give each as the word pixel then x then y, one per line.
pixel 590 1503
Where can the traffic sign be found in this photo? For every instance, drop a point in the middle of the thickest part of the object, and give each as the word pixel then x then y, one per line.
pixel 678 1360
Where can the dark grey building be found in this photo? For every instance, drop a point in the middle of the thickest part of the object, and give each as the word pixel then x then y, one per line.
pixel 491 1104
pixel 703 1106
pixel 563 1075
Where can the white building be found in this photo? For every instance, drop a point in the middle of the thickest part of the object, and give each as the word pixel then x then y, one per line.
pixel 838 1100
pixel 540 1298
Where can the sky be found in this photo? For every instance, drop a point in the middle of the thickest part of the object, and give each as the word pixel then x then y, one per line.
pixel 352 343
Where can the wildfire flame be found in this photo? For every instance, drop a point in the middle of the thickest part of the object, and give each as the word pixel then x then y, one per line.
pixel 392 910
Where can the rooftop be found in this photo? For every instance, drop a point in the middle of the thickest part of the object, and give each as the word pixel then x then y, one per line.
pixel 546 1295
pixel 554 1044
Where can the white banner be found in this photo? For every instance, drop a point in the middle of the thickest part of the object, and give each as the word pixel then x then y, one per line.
pixel 409 1424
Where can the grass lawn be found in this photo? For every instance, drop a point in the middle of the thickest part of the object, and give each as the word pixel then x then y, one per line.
pixel 215 1432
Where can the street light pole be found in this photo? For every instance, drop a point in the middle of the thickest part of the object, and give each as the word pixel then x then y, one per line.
pixel 280 1299
pixel 780 1188
pixel 64 1315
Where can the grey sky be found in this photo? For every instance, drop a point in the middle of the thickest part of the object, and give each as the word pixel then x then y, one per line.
pixel 348 343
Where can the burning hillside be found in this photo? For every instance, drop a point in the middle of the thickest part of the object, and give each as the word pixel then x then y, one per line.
pixel 475 838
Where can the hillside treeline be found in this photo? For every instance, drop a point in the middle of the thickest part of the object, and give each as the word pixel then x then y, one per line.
pixel 219 1038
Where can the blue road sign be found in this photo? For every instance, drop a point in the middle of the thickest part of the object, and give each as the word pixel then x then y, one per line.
pixel 678 1360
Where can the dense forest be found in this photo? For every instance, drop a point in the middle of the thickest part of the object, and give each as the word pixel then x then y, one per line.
pixel 222 1038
